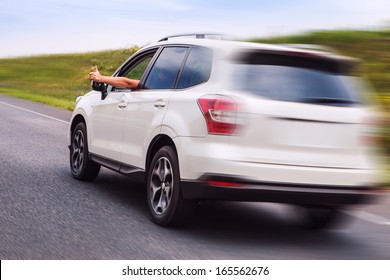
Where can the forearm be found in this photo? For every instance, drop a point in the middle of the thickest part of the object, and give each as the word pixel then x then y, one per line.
pixel 119 82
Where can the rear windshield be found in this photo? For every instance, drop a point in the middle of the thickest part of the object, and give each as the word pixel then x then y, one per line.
pixel 297 79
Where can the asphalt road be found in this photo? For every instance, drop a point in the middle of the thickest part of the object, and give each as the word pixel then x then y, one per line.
pixel 46 214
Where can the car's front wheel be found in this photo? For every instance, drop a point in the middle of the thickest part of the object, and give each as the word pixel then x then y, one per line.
pixel 81 166
pixel 164 197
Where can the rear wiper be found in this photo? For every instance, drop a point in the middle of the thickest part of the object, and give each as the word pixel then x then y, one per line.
pixel 326 100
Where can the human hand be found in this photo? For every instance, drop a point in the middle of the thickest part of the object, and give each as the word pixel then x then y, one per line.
pixel 95 75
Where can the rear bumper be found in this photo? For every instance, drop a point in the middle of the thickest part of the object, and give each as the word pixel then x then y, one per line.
pixel 219 187
pixel 213 156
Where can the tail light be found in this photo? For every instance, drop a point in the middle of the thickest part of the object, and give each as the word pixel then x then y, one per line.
pixel 221 114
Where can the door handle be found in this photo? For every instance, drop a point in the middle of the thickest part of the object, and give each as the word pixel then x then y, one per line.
pixel 122 105
pixel 159 103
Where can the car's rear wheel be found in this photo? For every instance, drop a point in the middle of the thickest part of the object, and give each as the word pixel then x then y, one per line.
pixel 81 166
pixel 164 197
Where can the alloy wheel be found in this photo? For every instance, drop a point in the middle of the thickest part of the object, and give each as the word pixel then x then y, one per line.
pixel 161 185
pixel 78 151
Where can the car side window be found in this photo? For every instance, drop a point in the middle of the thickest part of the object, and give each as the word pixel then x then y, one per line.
pixel 138 70
pixel 165 70
pixel 135 69
pixel 197 68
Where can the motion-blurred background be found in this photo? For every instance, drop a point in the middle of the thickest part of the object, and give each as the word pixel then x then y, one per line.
pixel 48 47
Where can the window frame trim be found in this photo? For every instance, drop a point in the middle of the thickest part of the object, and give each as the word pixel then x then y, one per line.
pixel 133 61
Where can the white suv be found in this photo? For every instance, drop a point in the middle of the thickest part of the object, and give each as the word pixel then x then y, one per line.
pixel 227 120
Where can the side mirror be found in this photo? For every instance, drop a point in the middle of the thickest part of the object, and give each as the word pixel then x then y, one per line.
pixel 100 87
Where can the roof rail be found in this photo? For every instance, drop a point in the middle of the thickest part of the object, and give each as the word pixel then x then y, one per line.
pixel 216 36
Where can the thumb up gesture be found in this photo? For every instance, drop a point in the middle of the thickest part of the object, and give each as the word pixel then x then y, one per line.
pixel 95 75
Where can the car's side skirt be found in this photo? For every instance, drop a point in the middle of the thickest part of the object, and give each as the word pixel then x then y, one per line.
pixel 125 169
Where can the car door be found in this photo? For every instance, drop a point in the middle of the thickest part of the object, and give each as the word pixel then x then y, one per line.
pixel 106 122
pixel 146 107
pixel 107 117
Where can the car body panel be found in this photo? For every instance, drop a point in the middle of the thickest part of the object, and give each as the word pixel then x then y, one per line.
pixel 106 126
pixel 144 116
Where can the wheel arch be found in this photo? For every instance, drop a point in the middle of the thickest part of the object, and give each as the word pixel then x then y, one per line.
pixel 157 143
pixel 78 118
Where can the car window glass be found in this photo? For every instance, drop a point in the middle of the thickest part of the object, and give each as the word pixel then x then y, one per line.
pixel 294 84
pixel 164 72
pixel 136 68
pixel 137 71
pixel 197 68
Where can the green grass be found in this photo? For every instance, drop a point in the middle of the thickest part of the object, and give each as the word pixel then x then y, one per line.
pixel 56 80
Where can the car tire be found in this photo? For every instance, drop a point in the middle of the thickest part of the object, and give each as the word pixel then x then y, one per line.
pixel 165 201
pixel 81 166
pixel 322 217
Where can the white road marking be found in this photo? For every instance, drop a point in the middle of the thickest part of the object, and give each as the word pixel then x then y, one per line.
pixel 369 217
pixel 33 112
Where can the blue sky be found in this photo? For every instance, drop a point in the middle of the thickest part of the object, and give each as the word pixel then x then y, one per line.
pixel 66 26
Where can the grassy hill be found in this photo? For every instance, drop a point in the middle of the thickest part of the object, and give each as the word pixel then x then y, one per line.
pixel 58 79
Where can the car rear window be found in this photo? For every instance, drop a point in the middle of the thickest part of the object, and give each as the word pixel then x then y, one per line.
pixel 296 79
